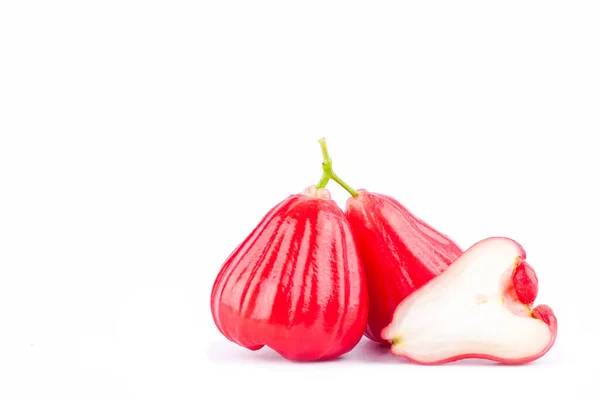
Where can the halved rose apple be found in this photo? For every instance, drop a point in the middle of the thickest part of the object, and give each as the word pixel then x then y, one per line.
pixel 480 307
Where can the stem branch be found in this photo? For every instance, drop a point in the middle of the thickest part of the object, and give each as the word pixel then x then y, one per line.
pixel 329 174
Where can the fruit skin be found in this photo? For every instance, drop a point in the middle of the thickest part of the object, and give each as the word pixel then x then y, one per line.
pixel 512 302
pixel 296 283
pixel 400 253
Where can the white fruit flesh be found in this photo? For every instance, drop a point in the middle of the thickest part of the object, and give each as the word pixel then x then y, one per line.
pixel 463 311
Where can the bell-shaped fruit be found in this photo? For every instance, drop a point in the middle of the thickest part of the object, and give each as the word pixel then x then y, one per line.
pixel 296 284
pixel 400 253
pixel 480 307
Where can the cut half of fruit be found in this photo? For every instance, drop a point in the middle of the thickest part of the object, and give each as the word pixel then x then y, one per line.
pixel 480 307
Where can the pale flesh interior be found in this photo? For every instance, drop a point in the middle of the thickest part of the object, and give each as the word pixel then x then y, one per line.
pixel 462 311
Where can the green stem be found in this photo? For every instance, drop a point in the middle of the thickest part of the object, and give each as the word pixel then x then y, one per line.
pixel 324 180
pixel 343 184
pixel 328 172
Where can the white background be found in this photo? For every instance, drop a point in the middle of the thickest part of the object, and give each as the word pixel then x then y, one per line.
pixel 141 141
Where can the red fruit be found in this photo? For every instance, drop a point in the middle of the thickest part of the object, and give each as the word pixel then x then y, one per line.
pixel 400 253
pixel 472 311
pixel 295 284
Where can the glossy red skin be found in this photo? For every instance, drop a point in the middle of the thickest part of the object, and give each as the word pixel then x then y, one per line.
pixel 400 253
pixel 295 284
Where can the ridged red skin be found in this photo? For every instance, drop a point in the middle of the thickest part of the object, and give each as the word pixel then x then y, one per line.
pixel 400 253
pixel 295 284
